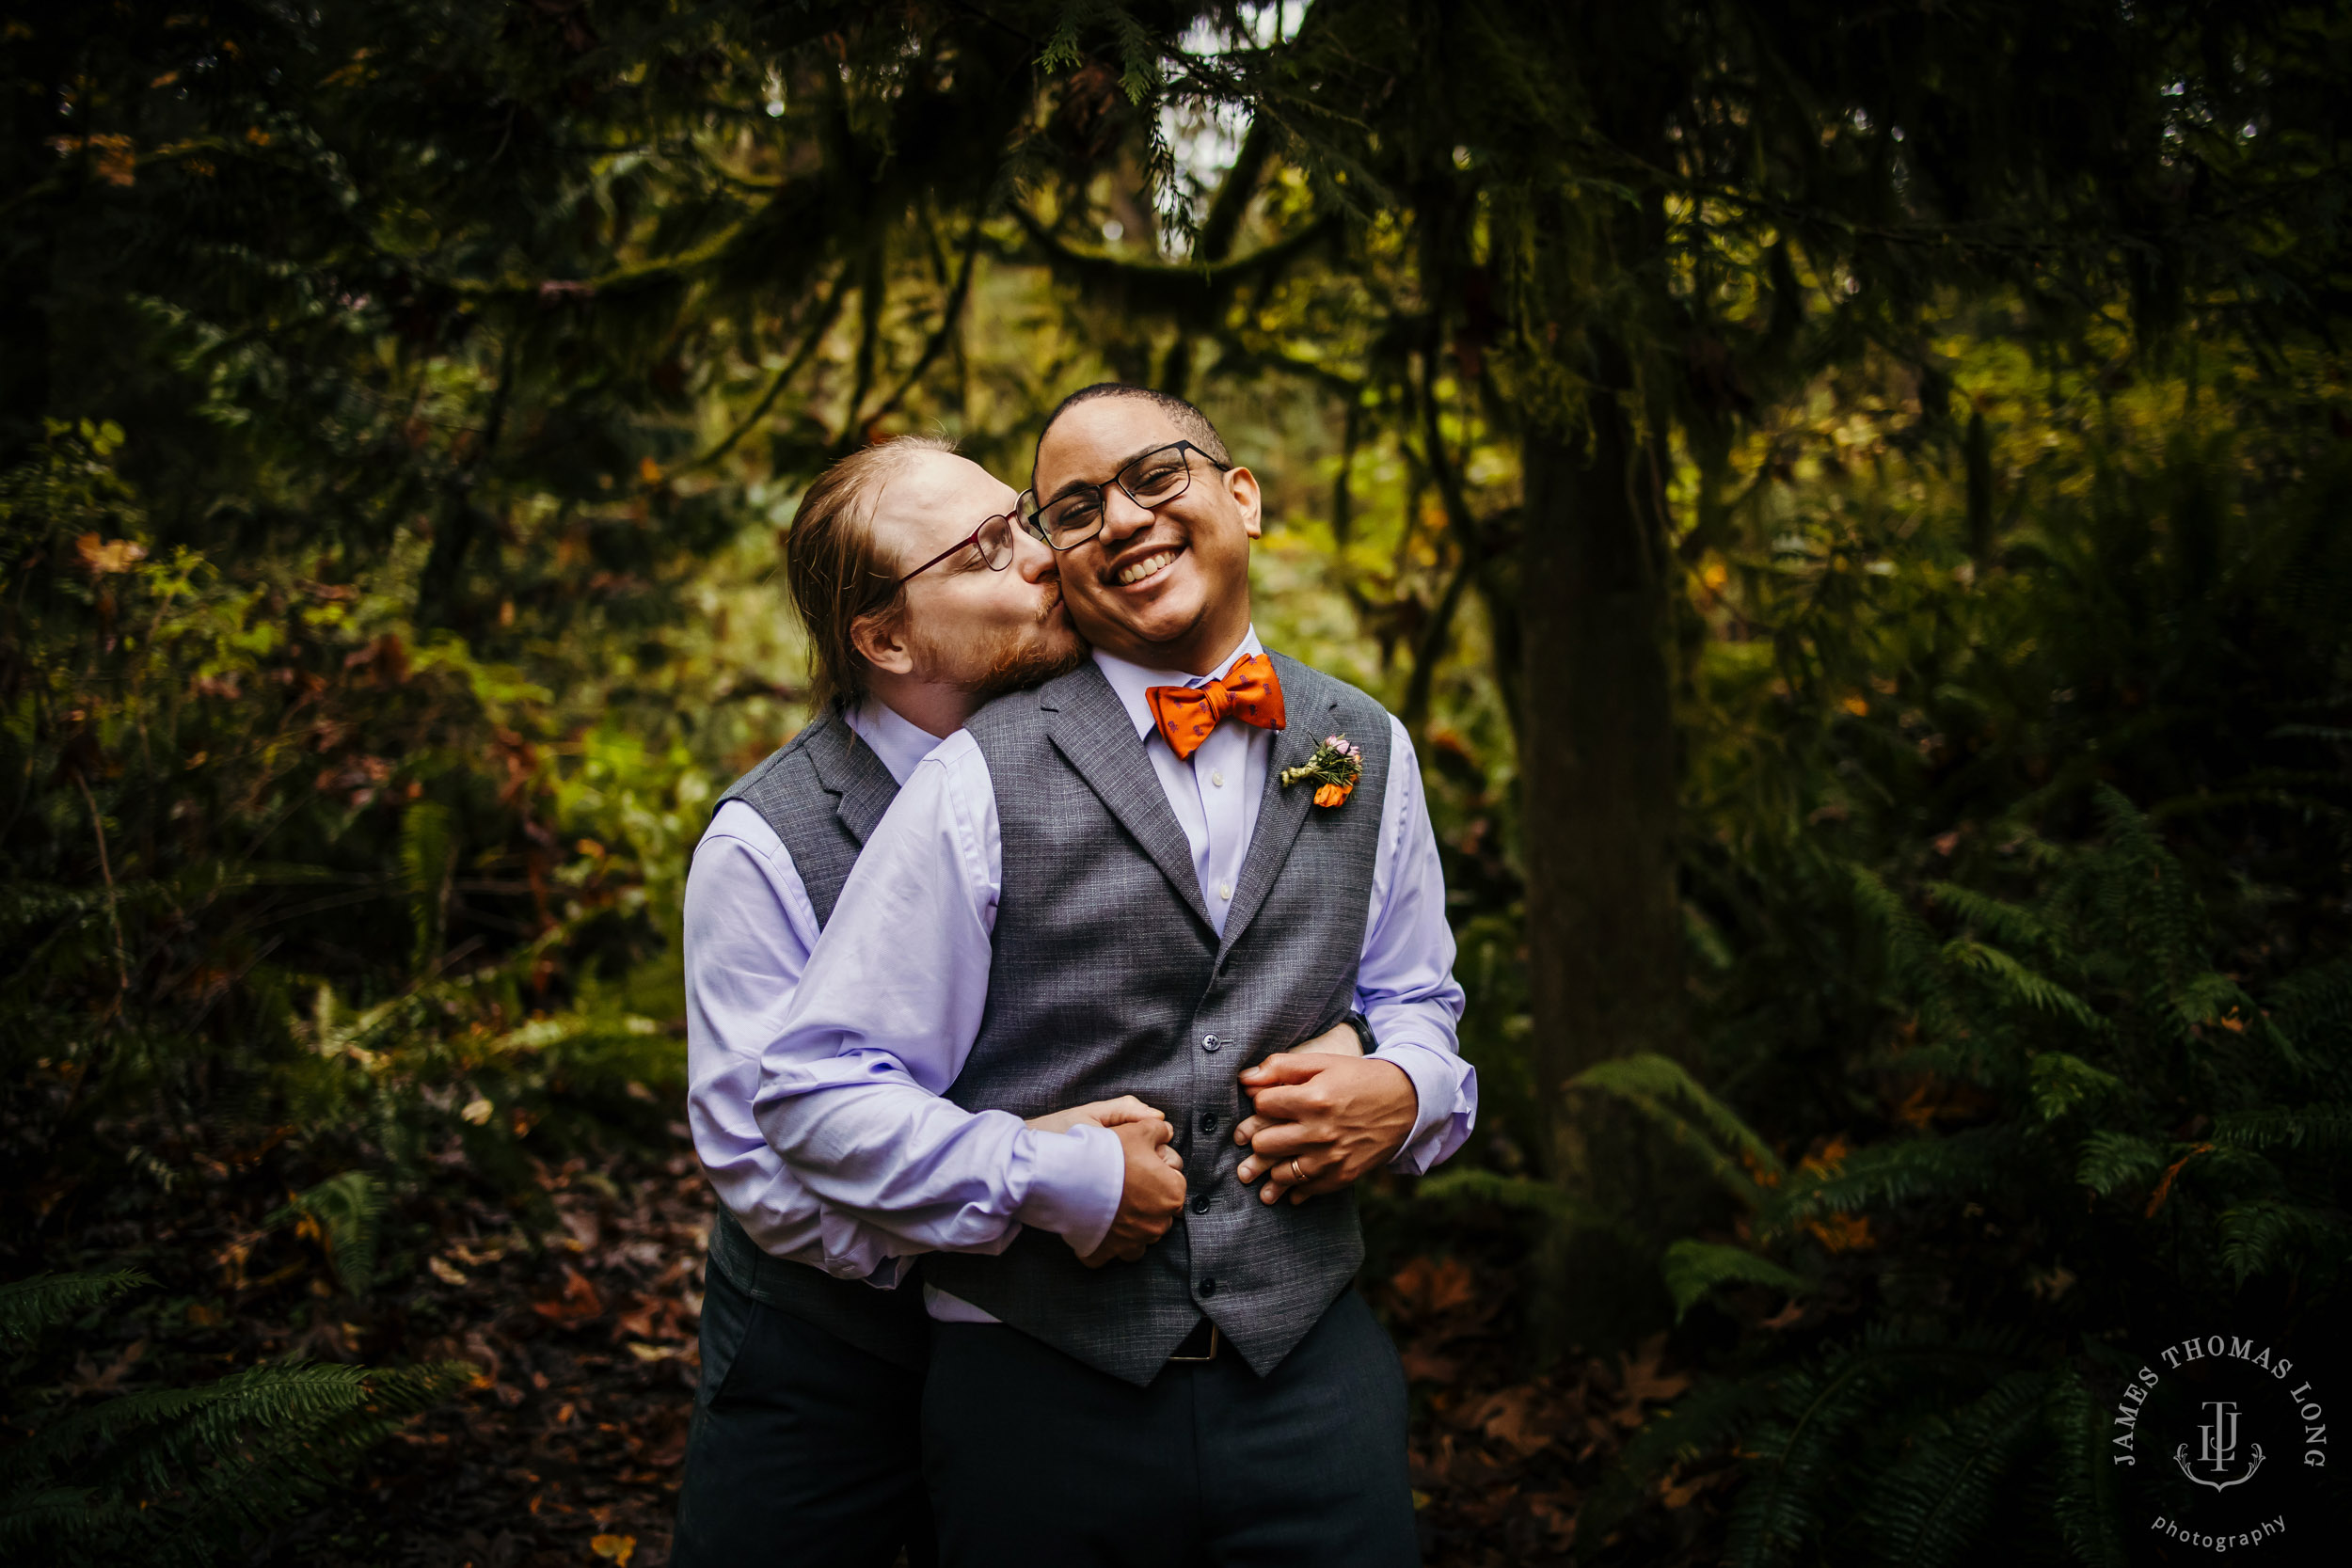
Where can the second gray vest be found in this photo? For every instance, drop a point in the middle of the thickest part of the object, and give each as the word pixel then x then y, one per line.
pixel 822 793
pixel 1109 979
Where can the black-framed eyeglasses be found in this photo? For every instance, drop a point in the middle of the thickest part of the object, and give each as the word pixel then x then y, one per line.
pixel 993 539
pixel 1151 480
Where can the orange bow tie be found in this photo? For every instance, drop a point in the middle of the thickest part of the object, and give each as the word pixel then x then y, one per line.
pixel 1187 714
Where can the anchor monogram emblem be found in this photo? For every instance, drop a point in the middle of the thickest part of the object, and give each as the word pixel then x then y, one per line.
pixel 2218 1449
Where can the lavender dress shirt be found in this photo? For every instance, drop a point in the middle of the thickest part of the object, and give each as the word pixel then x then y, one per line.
pixel 748 929
pixel 890 1003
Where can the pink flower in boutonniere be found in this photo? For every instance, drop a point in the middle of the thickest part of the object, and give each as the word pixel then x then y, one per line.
pixel 1334 769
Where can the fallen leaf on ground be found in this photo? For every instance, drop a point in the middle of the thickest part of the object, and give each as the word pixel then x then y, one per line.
pixel 1510 1418
pixel 615 1549
pixel 651 1317
pixel 1422 1366
pixel 576 1303
pixel 1557 1512
pixel 1428 1286
pixel 1643 1378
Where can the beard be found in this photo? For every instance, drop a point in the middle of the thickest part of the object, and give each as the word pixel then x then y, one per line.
pixel 1018 663
pixel 1011 659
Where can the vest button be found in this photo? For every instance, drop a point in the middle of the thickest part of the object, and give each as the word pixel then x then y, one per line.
pixel 1208 1121
pixel 1210 1043
pixel 1206 1288
pixel 1200 1203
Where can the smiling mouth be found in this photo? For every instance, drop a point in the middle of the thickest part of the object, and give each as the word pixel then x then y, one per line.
pixel 1150 566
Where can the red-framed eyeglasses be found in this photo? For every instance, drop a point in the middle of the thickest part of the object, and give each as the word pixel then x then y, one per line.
pixel 993 539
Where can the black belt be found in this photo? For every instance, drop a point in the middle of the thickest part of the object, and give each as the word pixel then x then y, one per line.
pixel 1201 1344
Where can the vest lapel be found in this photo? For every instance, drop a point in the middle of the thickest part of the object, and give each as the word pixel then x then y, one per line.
pixel 1282 812
pixel 850 772
pixel 1091 728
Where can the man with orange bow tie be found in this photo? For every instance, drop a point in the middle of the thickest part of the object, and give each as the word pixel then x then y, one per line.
pixel 1152 876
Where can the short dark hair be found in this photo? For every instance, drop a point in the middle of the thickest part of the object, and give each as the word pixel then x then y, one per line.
pixel 1194 423
pixel 838 571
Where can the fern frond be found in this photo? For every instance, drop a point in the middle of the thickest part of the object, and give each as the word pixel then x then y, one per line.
pixel 1799 1450
pixel 176 1468
pixel 428 854
pixel 2021 984
pixel 281 1464
pixel 59 1524
pixel 1694 1268
pixel 2063 1084
pixel 2325 1130
pixel 2210 996
pixel 1900 1171
pixel 29 1306
pixel 2112 1163
pixel 1931 1504
pixel 2086 1508
pixel 2269 1235
pixel 1910 946
pixel 2143 906
pixel 1662 1090
pixel 1061 44
pixel 2004 921
pixel 349 1212
pixel 1518 1193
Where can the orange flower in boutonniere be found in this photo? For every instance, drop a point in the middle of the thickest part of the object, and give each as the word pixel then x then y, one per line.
pixel 1334 769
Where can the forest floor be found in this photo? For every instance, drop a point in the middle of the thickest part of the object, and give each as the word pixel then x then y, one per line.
pixel 566 1449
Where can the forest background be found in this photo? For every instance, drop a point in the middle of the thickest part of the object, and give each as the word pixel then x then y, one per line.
pixel 1850 503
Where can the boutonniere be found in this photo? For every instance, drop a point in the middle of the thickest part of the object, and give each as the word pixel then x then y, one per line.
pixel 1335 768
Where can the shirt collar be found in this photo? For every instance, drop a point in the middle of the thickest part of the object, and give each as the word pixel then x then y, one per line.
pixel 897 742
pixel 1131 680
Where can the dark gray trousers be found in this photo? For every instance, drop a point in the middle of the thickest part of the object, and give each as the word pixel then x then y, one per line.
pixel 1035 1458
pixel 805 1449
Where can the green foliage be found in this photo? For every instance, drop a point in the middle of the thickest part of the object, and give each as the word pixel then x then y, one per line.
pixel 1921 1437
pixel 1937 1500
pixel 428 854
pixel 185 1475
pixel 347 1211
pixel 29 1307
pixel 2083 1499
pixel 2023 871
pixel 1664 1091
pixel 1807 1439
pixel 2116 1163
pixel 1694 1268
pixel 2063 1083
pixel 200 769
pixel 1511 1192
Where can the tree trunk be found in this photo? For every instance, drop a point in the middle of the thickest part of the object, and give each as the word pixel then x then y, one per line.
pixel 1596 755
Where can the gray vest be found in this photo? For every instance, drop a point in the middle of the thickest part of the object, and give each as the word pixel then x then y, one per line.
pixel 822 793
pixel 1108 979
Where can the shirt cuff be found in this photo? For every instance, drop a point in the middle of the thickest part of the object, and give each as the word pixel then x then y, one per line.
pixel 1437 1077
pixel 1076 1180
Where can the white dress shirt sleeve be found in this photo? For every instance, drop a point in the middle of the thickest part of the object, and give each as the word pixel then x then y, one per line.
pixel 886 1012
pixel 1406 987
pixel 748 930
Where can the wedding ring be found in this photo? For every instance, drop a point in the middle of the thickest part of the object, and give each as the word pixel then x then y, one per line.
pixel 1298 1177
